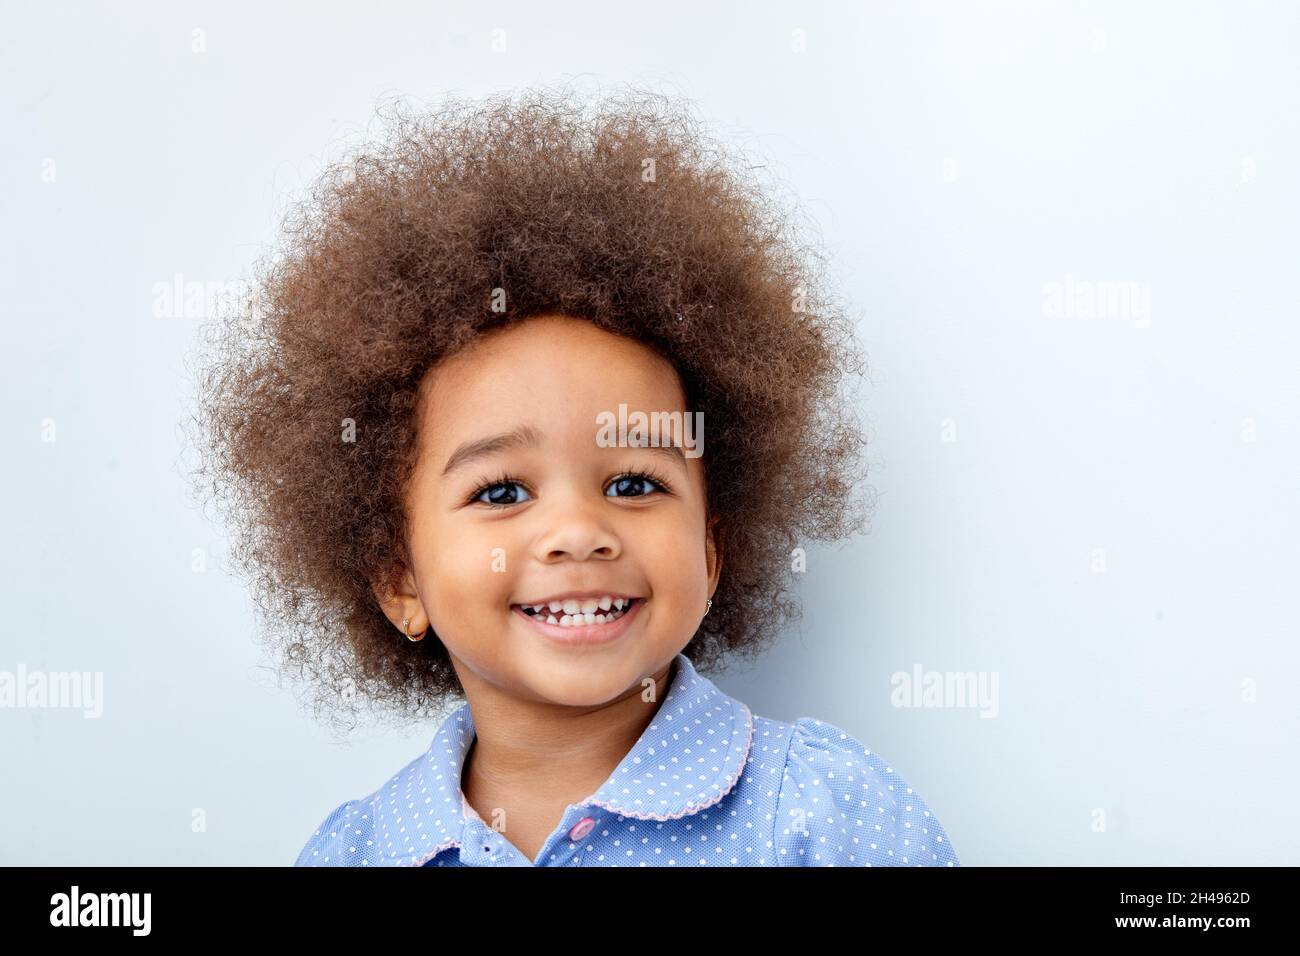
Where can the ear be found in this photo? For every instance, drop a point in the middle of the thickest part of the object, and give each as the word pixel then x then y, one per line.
pixel 713 552
pixel 400 600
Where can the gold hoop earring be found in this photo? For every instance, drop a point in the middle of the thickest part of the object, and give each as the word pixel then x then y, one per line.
pixel 406 621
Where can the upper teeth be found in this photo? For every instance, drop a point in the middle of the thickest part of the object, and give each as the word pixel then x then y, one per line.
pixel 578 613
pixel 587 606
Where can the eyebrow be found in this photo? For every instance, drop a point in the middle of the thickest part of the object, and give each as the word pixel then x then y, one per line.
pixel 526 436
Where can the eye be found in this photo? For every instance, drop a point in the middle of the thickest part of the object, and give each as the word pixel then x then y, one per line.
pixel 499 492
pixel 633 480
pixel 504 491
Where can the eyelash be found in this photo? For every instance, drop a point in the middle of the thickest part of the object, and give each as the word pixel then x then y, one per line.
pixel 647 474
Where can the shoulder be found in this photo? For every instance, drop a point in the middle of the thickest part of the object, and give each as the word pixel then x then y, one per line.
pixel 348 834
pixel 372 830
pixel 344 838
pixel 840 804
pixel 415 810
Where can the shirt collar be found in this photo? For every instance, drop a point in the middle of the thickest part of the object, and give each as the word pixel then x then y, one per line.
pixel 686 760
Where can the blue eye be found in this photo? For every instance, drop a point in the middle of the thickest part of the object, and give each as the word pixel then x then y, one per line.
pixel 499 499
pixel 504 491
pixel 634 480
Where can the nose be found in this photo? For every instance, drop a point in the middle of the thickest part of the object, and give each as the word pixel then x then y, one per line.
pixel 574 529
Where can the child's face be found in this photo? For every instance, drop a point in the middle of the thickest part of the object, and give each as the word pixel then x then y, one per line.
pixel 563 522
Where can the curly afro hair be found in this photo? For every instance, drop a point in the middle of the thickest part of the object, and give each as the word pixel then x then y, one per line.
pixel 619 212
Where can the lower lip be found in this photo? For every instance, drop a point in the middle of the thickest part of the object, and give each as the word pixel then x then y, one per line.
pixel 588 633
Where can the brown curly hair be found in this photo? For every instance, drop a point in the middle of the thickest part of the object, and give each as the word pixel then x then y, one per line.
pixel 620 212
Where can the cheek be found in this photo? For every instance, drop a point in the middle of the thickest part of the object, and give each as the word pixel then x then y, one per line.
pixel 675 559
pixel 463 567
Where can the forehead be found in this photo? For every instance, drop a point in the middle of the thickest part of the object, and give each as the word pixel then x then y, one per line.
pixel 555 372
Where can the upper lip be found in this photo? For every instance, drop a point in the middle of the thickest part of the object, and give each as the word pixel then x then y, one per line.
pixel 578 596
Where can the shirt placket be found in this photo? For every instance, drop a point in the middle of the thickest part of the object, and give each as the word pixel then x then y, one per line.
pixel 567 840
pixel 484 846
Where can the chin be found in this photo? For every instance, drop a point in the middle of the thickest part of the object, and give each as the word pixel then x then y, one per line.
pixel 583 681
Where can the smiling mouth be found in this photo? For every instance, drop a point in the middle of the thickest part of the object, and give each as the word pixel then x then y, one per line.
pixel 580 613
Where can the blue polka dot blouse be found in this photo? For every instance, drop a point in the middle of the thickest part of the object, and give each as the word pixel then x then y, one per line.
pixel 707 784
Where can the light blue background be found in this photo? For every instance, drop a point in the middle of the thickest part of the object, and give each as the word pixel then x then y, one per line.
pixel 956 158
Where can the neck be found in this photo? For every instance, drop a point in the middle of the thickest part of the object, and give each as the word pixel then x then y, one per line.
pixel 543 754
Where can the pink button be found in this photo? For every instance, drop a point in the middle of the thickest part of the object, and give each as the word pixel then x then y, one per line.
pixel 581 829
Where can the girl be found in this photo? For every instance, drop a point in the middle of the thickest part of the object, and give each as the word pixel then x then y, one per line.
pixel 413 434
